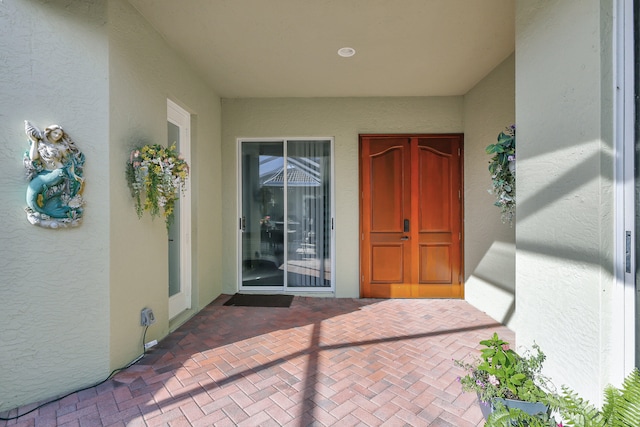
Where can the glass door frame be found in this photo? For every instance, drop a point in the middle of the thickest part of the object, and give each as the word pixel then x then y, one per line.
pixel 239 209
pixel 181 301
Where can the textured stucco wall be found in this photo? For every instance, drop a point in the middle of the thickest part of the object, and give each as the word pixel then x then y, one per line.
pixel 489 244
pixel 564 221
pixel 343 119
pixel 72 298
pixel 144 72
pixel 54 284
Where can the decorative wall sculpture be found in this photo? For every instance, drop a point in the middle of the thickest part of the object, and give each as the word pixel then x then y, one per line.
pixel 54 169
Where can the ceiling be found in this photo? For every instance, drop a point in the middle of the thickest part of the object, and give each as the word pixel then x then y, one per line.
pixel 288 48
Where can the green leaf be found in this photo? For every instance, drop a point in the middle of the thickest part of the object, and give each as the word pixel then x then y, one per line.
pixel 488 353
pixel 518 378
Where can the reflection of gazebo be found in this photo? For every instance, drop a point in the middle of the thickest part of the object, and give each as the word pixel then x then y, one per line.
pixel 296 177
pixel 296 218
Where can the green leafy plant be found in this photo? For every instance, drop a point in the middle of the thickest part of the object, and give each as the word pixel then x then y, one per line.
pixel 621 406
pixel 621 409
pixel 503 178
pixel 156 175
pixel 500 372
pixel 510 417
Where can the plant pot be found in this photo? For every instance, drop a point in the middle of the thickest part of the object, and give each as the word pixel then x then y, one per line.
pixel 531 408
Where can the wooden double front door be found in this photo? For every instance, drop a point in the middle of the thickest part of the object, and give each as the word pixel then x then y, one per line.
pixel 411 216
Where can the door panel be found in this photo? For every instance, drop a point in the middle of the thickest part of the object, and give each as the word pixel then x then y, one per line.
pixel 387 205
pixel 435 185
pixel 411 224
pixel 436 264
pixel 438 201
pixel 386 262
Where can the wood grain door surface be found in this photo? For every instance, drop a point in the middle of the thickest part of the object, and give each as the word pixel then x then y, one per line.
pixel 411 216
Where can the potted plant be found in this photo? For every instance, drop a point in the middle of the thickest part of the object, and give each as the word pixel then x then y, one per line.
pixel 156 175
pixel 503 172
pixel 507 382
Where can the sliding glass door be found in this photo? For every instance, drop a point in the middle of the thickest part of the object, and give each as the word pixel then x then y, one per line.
pixel 286 220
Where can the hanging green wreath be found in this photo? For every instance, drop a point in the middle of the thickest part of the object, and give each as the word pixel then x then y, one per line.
pixel 503 174
pixel 156 176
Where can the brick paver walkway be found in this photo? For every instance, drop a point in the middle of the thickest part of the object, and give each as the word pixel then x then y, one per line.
pixel 321 362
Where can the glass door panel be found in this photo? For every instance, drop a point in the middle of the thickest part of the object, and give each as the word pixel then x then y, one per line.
pixel 173 132
pixel 308 214
pixel 262 215
pixel 286 217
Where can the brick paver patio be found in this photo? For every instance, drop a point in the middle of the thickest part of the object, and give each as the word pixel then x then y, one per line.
pixel 321 362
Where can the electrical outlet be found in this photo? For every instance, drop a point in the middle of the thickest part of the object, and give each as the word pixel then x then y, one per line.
pixel 150 344
pixel 146 317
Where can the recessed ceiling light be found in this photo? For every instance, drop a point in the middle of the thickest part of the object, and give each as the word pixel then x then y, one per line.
pixel 346 52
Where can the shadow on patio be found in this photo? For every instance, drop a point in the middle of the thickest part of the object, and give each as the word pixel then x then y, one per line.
pixel 319 362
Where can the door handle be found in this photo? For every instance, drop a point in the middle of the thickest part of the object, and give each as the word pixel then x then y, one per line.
pixel 404 238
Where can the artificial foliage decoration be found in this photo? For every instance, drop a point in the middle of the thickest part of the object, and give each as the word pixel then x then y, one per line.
pixel 503 177
pixel 156 176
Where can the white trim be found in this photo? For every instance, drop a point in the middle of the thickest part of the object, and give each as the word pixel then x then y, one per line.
pixel 624 321
pixel 182 300
pixel 285 203
pixel 284 288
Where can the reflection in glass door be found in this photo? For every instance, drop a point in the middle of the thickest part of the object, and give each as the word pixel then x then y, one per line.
pixel 286 221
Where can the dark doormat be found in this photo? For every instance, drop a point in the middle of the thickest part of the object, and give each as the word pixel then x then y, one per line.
pixel 251 300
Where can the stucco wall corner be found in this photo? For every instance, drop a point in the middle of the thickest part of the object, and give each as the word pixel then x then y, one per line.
pixel 565 238
pixel 489 244
pixel 144 72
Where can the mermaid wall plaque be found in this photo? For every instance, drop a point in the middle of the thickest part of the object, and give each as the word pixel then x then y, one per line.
pixel 54 170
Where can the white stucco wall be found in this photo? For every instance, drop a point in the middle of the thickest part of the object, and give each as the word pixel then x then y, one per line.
pixel 341 118
pixel 489 244
pixel 144 72
pixel 54 284
pixel 564 234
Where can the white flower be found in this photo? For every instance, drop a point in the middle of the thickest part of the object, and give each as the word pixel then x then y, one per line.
pixel 493 380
